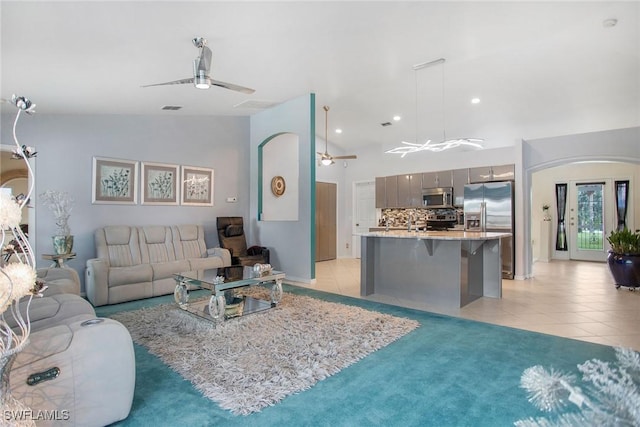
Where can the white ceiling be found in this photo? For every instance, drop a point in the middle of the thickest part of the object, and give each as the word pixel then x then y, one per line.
pixel 540 69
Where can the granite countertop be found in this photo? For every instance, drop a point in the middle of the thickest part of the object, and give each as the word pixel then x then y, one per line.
pixel 438 235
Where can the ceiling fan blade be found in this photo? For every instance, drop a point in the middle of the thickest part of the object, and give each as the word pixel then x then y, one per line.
pixel 175 82
pixel 231 86
pixel 351 156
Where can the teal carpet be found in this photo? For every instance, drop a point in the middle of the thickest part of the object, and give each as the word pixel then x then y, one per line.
pixel 448 372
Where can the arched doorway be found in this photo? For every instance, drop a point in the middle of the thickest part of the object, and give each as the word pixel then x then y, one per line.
pixel 590 205
pixel 618 145
pixel 14 176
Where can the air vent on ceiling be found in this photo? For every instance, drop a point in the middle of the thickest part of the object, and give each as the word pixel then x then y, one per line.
pixel 386 124
pixel 255 104
pixel 172 107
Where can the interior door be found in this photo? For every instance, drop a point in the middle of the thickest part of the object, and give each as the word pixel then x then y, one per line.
pixel 364 213
pixel 589 220
pixel 326 221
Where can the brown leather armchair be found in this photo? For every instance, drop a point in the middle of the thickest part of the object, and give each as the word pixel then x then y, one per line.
pixel 231 236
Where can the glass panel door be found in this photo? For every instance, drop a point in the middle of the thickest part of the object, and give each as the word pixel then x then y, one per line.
pixel 587 222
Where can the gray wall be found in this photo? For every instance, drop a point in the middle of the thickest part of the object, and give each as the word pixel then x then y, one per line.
pixel 291 242
pixel 67 144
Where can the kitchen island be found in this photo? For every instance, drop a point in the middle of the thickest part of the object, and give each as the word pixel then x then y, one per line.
pixel 446 269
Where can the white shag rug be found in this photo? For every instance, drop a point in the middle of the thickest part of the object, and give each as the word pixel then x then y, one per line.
pixel 251 362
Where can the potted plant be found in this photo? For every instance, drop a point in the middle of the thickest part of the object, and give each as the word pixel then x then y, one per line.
pixel 60 203
pixel 624 257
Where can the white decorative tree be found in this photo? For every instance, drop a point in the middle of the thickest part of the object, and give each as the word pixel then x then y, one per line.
pixel 18 279
pixel 611 394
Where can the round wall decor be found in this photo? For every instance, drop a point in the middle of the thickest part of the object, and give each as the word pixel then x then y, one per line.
pixel 278 186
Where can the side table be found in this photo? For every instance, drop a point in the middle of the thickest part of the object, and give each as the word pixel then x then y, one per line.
pixel 58 259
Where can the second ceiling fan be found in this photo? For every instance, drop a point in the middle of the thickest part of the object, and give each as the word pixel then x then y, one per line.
pixel 325 158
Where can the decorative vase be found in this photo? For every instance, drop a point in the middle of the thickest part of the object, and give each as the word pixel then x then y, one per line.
pixel 13 412
pixel 625 269
pixel 62 244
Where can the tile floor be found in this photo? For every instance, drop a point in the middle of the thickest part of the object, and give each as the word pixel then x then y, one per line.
pixel 570 299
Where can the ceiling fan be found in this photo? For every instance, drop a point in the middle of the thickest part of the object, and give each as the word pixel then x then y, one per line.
pixel 201 68
pixel 325 158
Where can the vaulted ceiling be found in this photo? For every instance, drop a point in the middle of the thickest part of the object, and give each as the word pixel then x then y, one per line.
pixel 539 68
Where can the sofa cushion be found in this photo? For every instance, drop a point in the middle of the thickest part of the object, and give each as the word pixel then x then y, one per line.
pixel 60 280
pixel 188 241
pixel 129 275
pixel 156 244
pixel 162 270
pixel 119 244
pixel 52 310
pixel 206 263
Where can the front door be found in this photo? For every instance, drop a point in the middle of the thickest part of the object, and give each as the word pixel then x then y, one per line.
pixel 588 221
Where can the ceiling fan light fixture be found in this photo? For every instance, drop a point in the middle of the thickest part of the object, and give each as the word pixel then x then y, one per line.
pixel 202 82
pixel 325 158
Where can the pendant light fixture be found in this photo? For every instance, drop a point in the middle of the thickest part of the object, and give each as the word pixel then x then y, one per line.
pixel 445 144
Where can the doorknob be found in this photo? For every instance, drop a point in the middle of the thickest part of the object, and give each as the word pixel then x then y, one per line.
pixel 357 225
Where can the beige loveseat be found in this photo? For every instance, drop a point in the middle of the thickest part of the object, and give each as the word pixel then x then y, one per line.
pixel 139 262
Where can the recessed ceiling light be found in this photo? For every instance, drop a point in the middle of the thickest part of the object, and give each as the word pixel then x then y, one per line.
pixel 475 100
pixel 397 118
pixel 338 130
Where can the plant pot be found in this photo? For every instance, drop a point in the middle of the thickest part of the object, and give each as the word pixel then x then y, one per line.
pixel 625 269
pixel 62 244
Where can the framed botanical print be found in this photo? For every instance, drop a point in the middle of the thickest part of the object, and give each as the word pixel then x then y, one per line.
pixel 159 184
pixel 114 181
pixel 197 186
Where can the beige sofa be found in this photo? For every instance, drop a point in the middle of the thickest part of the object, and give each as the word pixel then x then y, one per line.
pixel 139 262
pixel 76 366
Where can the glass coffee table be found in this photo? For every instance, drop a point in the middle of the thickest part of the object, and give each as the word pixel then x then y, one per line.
pixel 224 301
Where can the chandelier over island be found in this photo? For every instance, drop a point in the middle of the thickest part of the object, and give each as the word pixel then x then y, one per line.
pixel 445 144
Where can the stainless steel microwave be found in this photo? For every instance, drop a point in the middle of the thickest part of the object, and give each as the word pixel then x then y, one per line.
pixel 437 197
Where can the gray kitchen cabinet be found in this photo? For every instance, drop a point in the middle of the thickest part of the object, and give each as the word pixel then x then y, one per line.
pixel 381 193
pixel 391 189
pixel 460 179
pixel 404 190
pixel 492 173
pixel 445 178
pixel 436 179
pixel 430 180
pixel 480 174
pixel 410 190
pixel 415 194
pixel 503 172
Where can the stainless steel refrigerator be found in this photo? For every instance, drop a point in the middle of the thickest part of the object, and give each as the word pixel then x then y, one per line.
pixel 490 207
